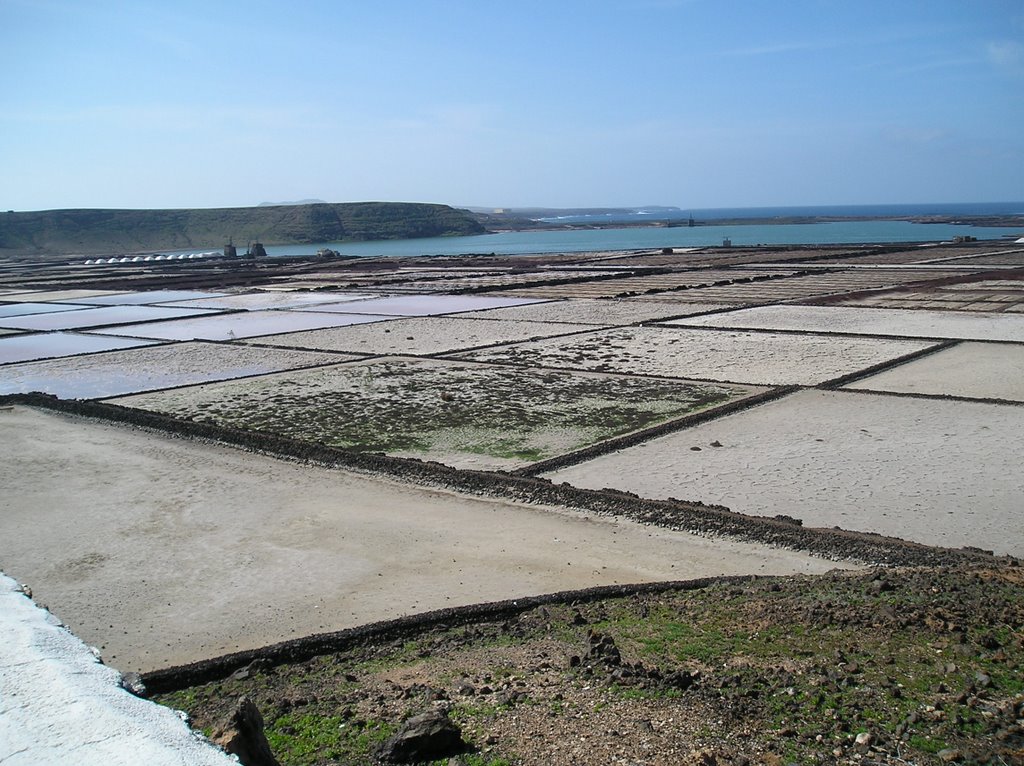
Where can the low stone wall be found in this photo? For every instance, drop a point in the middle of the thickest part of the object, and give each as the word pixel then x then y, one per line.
pixel 402 629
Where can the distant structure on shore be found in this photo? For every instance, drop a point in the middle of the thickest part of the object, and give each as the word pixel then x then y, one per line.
pixel 230 251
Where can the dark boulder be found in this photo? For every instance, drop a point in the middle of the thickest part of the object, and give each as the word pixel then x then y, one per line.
pixel 242 735
pixel 425 737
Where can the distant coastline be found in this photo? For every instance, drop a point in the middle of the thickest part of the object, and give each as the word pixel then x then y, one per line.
pixel 994 214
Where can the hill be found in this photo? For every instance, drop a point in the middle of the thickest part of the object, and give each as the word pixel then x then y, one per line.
pixel 120 231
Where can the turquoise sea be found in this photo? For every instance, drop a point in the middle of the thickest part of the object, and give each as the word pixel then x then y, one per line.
pixel 582 240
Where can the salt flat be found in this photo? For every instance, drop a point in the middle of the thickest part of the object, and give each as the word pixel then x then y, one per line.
pixel 869 321
pixel 463 414
pixel 759 358
pixel 241 324
pixel 281 299
pixel 151 367
pixel 419 335
pixel 424 305
pixel 24 347
pixel 162 551
pixel 97 316
pixel 594 311
pixel 976 370
pixel 933 471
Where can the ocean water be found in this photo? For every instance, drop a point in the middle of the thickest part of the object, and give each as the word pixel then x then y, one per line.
pixel 583 240
pixel 768 213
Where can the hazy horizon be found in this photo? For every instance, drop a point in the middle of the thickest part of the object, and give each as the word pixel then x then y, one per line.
pixel 1017 206
pixel 688 103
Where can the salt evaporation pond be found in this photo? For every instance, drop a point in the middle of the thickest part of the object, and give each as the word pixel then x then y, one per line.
pixel 975 370
pixel 96 317
pixel 758 358
pixel 55 295
pixel 932 471
pixel 23 348
pixel 869 321
pixel 243 324
pixel 149 368
pixel 271 300
pixel 428 305
pixel 152 296
pixel 26 309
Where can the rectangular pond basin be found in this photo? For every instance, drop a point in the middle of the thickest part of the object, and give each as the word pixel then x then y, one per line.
pixel 27 308
pixel 148 368
pixel 242 324
pixel 933 471
pixel 758 358
pixel 973 370
pixel 271 300
pixel 97 317
pixel 460 413
pixel 427 305
pixel 870 321
pixel 55 295
pixel 149 296
pixel 21 348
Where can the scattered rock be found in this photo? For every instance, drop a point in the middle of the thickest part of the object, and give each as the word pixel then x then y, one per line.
pixel 256 666
pixel 242 735
pixel 425 737
pixel 132 682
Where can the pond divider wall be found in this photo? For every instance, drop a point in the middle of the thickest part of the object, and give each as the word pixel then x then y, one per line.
pixel 406 628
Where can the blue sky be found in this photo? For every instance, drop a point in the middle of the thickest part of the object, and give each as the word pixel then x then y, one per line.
pixel 695 103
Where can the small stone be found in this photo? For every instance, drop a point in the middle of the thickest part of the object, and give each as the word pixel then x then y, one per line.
pixel 949 755
pixel 864 739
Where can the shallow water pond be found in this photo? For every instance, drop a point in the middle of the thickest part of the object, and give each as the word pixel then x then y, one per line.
pixel 21 348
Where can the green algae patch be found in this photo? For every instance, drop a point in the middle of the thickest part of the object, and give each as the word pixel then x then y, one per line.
pixel 462 413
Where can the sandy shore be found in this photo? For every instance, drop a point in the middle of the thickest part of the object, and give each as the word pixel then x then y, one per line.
pixel 163 551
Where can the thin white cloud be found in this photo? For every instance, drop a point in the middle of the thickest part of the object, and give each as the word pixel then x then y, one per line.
pixel 778 48
pixel 1007 56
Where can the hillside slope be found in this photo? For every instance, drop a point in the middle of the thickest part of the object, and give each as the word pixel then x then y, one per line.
pixel 119 231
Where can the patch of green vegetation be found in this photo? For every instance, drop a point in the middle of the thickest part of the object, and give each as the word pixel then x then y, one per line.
pixel 926 744
pixel 799 666
pixel 439 407
pixel 307 738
